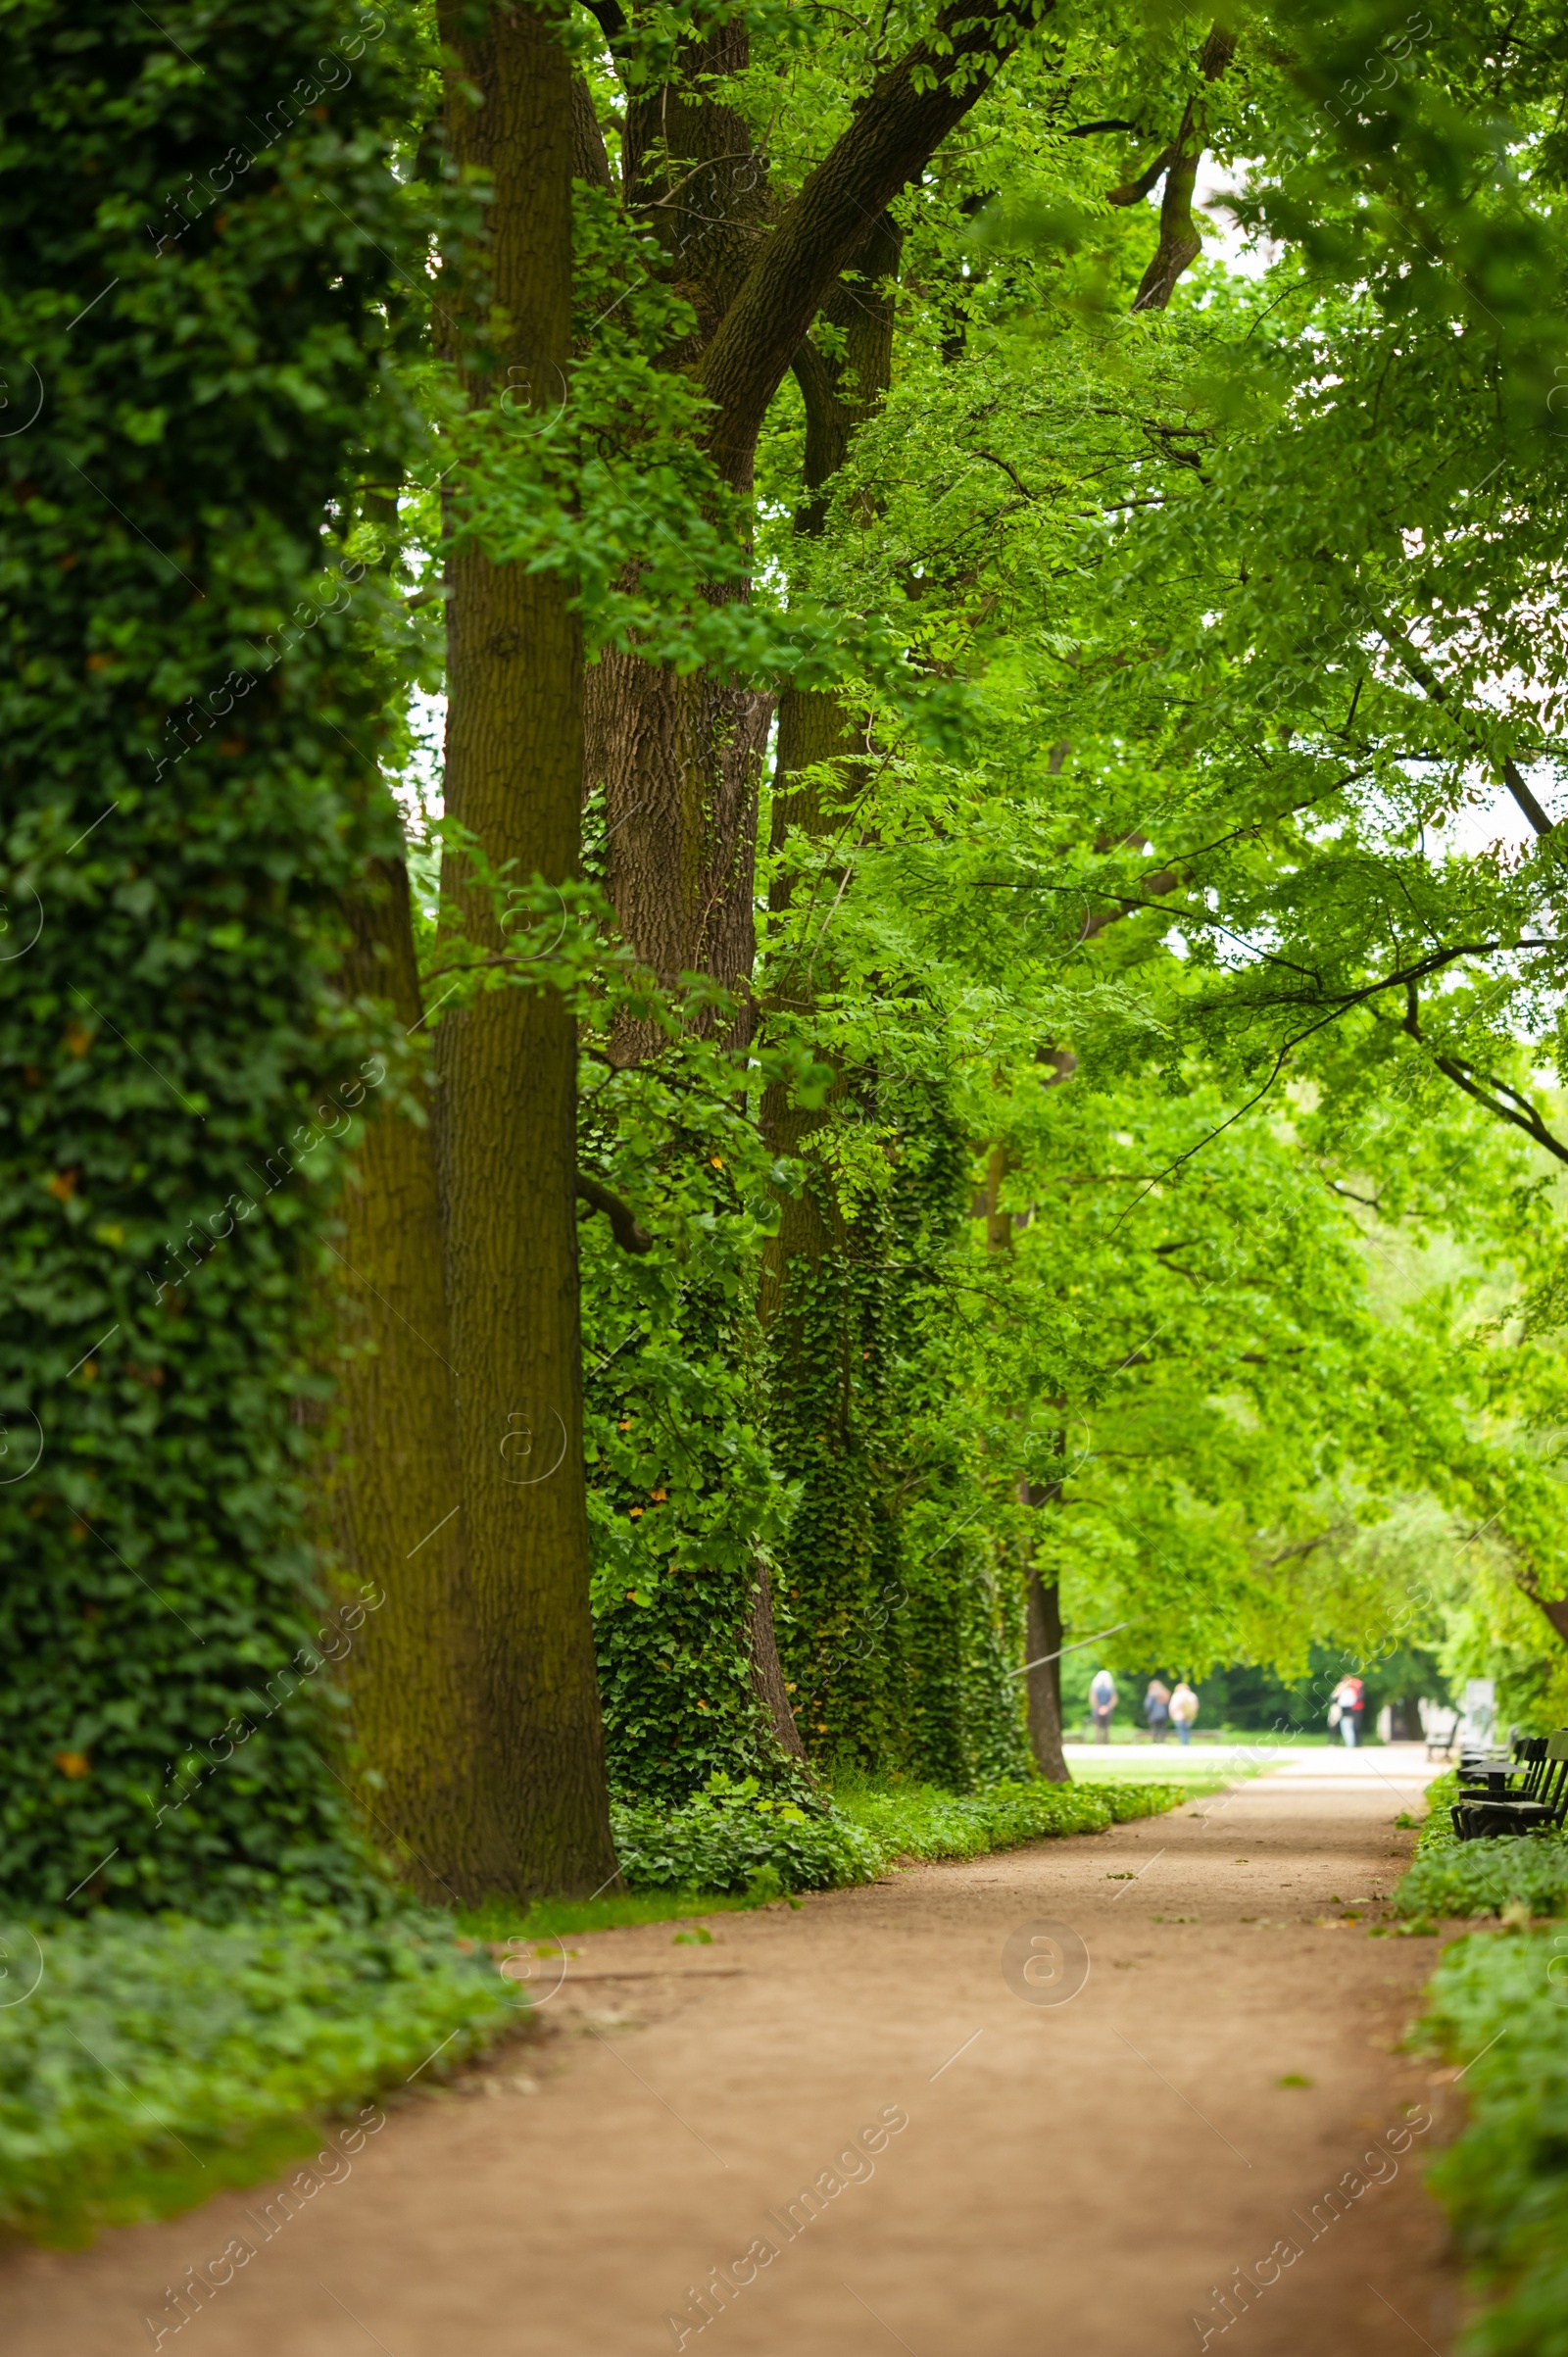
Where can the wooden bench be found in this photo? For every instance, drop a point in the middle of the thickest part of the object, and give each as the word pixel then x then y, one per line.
pixel 1527 1795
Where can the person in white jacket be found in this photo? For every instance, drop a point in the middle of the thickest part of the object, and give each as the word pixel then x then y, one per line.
pixel 1183 1710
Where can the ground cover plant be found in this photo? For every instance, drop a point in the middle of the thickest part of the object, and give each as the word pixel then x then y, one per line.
pixel 733 1836
pixel 1498 2006
pixel 145 2062
pixel 1451 1877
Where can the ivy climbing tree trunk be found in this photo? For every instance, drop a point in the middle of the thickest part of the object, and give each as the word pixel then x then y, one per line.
pixel 508 1061
pixel 823 1312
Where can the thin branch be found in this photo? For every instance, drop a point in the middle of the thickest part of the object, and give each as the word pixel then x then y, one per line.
pixel 1431 686
pixel 1008 471
pixel 1523 1112
pixel 1303 1547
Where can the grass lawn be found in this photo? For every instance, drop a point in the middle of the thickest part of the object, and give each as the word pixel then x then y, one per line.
pixel 547 1918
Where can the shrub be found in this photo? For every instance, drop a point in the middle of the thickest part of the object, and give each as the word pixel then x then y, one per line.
pixel 733 1836
pixel 921 1821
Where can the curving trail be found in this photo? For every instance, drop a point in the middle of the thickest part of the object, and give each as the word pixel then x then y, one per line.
pixel 1083 2177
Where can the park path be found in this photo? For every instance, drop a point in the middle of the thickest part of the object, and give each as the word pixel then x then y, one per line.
pixel 1077 2178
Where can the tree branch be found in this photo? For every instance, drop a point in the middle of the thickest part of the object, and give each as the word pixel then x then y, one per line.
pixel 1181 241
pixel 1303 1547
pixel 909 111
pixel 1555 1608
pixel 1522 1112
pixel 628 1233
pixel 1432 688
pixel 608 18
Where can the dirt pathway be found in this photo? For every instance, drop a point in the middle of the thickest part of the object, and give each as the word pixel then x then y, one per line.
pixel 1051 2168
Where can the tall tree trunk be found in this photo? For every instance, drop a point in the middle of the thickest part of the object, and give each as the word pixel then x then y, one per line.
pixel 415 1671
pixel 679 759
pixel 1042 1681
pixel 767 1675
pixel 1042 1597
pixel 508 1061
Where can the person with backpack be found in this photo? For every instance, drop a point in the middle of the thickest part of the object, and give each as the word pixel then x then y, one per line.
pixel 1157 1709
pixel 1183 1710
pixel 1102 1703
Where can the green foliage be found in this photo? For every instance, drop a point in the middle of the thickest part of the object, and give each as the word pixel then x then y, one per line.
pixel 169 2045
pixel 921 1821
pixel 1451 1877
pixel 1497 2006
pixel 832 1424
pixel 1175 926
pixel 1177 639
pixel 685 1503
pixel 550 1918
pixel 899 1617
pixel 733 1836
pixel 204 301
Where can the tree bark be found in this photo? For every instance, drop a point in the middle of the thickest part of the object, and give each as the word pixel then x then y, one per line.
pixel 1043 1681
pixel 507 1061
pixel 679 761
pixel 768 1675
pixel 415 1670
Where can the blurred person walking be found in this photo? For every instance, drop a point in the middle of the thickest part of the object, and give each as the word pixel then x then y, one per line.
pixel 1184 1709
pixel 1157 1709
pixel 1102 1703
pixel 1346 1706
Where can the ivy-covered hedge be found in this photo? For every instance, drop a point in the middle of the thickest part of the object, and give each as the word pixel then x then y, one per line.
pixel 197 215
pixel 1500 2006
pixel 177 2044
pixel 684 1501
